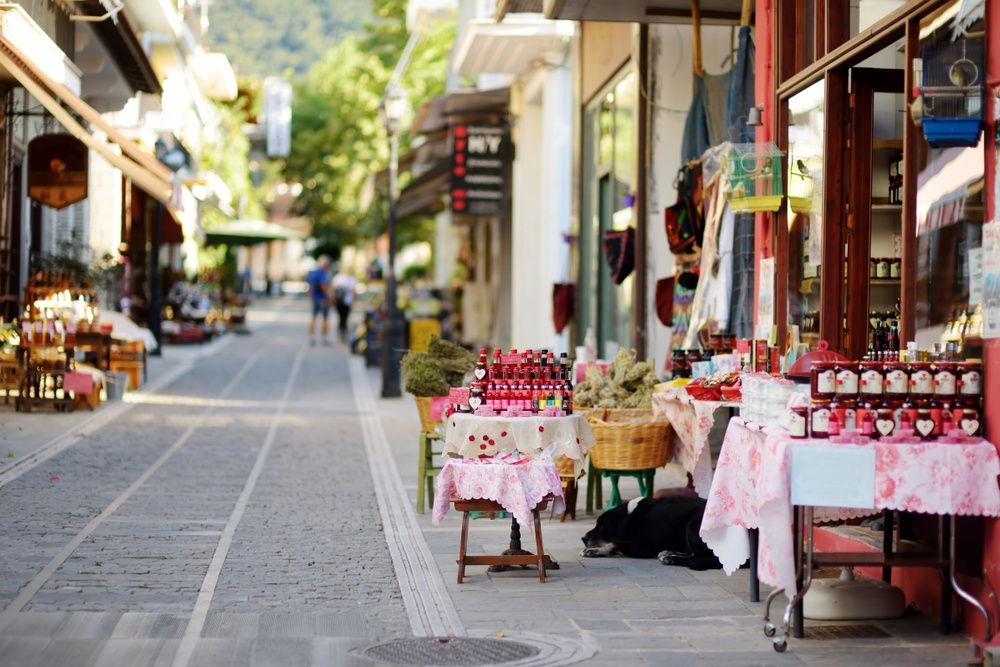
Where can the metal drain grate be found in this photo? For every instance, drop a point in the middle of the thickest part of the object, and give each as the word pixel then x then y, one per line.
pixel 450 651
pixel 845 632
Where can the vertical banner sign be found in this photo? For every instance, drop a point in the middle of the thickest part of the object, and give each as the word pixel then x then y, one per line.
pixel 278 112
pixel 479 153
pixel 57 170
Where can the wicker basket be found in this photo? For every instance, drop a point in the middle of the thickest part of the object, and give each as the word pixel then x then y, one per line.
pixel 637 443
pixel 424 410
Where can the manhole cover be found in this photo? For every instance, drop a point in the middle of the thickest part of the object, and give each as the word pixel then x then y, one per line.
pixel 845 632
pixel 450 651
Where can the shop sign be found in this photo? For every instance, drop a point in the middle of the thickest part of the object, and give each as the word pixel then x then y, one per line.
pixel 479 155
pixel 57 170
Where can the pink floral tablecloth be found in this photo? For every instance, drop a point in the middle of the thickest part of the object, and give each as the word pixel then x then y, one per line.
pixel 544 438
pixel 518 487
pixel 692 421
pixel 751 489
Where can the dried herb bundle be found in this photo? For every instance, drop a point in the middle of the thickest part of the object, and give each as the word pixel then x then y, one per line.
pixel 433 372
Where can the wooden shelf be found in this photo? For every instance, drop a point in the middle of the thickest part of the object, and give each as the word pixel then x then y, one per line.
pixel 896 559
pixel 884 281
pixel 887 144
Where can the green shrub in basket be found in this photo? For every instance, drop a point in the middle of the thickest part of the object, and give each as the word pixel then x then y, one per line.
pixel 432 373
pixel 628 384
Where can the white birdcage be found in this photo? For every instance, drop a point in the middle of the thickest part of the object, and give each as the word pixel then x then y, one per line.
pixel 752 174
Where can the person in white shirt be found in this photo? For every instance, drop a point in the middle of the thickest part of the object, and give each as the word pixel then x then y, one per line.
pixel 343 296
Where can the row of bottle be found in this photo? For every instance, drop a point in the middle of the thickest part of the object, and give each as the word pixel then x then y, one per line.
pixel 530 381
pixel 895 380
pixel 883 332
pixel 882 419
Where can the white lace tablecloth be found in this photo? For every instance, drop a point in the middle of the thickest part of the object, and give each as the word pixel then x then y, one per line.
pixel 543 438
pixel 518 487
pixel 692 421
pixel 751 489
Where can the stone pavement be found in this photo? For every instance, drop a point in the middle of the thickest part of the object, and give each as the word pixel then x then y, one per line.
pixel 253 504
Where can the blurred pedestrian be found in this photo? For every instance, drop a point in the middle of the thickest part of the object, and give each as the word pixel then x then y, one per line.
pixel 343 296
pixel 319 292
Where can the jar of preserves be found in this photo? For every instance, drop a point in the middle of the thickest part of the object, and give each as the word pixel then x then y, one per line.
pixel 873 267
pixel 969 422
pixel 921 381
pixel 895 267
pixel 970 382
pixel 945 378
pixel 872 380
pixel 882 269
pixel 924 424
pixel 885 423
pixel 798 422
pixel 819 419
pixel 847 379
pixel 897 381
pixel 824 380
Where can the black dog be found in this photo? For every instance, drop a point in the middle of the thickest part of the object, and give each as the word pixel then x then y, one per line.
pixel 662 528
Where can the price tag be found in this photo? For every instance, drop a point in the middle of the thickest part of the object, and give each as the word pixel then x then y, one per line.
pixel 459 395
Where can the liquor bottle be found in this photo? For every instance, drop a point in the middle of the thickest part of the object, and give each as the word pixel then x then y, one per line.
pixel 477 389
pixel 503 390
pixel 537 402
pixel 567 393
pixel 523 389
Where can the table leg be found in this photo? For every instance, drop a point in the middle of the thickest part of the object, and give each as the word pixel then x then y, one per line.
pixel 961 592
pixel 515 549
pixel 754 581
pixel 888 528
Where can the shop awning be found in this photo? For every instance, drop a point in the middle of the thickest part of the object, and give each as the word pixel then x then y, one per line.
pixel 423 195
pixel 135 163
pixel 511 47
pixel 713 12
pixel 249 232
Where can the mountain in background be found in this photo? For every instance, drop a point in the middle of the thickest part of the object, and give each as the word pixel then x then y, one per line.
pixel 272 37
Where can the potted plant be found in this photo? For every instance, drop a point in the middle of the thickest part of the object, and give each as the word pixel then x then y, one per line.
pixel 431 374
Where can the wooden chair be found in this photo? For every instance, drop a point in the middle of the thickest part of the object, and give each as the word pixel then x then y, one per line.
pixel 427 469
pixel 568 477
pixel 492 508
pixel 129 358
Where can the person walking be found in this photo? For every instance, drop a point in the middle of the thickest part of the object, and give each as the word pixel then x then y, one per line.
pixel 319 291
pixel 343 296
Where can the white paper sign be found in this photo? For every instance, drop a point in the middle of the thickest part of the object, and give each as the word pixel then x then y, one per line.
pixel 975 276
pixel 833 476
pixel 765 297
pixel 991 280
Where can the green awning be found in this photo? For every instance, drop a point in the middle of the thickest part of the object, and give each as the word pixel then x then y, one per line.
pixel 249 232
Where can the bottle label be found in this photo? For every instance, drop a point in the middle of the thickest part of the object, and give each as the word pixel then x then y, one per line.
pixel 826 382
pixel 871 382
pixel 895 382
pixel 796 424
pixel 923 382
pixel 945 383
pixel 972 383
pixel 820 420
pixel 848 382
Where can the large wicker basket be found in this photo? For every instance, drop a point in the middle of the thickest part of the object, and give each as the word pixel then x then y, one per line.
pixel 630 442
pixel 424 410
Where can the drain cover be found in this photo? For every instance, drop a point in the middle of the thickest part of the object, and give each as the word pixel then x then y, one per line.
pixel 450 651
pixel 845 632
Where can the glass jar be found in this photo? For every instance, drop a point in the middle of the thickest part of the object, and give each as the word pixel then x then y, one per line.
pixel 895 267
pixel 969 422
pixel 847 379
pixel 885 423
pixel 798 422
pixel 819 419
pixel 924 424
pixel 921 381
pixel 882 270
pixel 897 381
pixel 873 267
pixel 945 378
pixel 970 382
pixel 872 382
pixel 824 380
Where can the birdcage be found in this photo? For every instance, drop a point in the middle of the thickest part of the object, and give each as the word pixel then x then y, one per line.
pixel 753 177
pixel 803 175
pixel 952 92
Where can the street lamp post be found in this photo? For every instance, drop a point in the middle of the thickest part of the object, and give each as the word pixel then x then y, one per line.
pixel 392 109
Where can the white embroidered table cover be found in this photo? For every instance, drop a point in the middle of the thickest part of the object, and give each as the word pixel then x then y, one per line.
pixel 692 421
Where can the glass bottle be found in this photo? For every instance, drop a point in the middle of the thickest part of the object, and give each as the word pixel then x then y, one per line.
pixel 824 380
pixel 819 419
pixel 567 393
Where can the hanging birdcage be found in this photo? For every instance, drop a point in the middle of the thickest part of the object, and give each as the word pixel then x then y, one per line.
pixel 753 177
pixel 802 180
pixel 952 92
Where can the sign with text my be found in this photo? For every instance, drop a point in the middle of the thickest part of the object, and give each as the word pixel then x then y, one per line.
pixel 478 165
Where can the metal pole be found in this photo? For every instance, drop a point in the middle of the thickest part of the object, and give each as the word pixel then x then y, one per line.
pixel 392 331
pixel 153 317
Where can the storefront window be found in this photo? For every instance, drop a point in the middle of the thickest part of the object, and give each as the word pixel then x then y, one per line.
pixel 608 185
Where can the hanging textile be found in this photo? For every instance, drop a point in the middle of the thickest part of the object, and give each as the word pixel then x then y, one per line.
pixel 705 125
pixel 741 81
pixel 742 307
pixel 563 305
pixel 619 251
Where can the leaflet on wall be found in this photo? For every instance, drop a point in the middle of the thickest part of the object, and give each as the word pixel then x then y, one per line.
pixel 975 276
pixel 765 292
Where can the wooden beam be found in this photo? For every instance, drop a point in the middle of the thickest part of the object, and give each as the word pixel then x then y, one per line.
pixel 913 144
pixel 831 300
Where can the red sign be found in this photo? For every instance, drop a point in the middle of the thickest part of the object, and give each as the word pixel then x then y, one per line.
pixel 57 170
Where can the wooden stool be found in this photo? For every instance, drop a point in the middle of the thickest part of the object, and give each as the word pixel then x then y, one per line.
pixel 514 555
pixel 427 470
pixel 595 492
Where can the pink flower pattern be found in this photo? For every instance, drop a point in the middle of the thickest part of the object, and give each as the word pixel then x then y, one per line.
pixel 692 421
pixel 750 489
pixel 518 487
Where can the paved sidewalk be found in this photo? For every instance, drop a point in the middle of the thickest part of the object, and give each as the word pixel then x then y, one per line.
pixel 592 612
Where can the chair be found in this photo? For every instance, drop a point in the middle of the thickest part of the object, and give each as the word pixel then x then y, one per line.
pixel 427 468
pixel 129 358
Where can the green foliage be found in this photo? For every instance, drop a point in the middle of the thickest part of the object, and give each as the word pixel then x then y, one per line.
pixel 275 37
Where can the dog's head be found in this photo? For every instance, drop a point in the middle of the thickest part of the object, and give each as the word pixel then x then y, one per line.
pixel 609 525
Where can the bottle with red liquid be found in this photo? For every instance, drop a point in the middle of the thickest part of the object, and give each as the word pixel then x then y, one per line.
pixel 567 391
pixel 477 389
